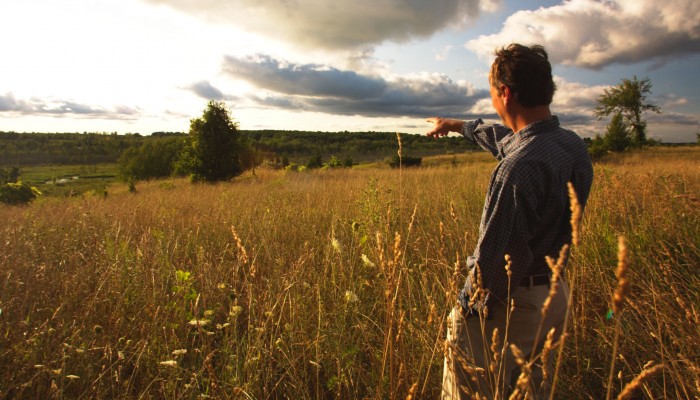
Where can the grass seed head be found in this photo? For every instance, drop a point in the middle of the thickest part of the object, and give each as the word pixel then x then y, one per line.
pixel 623 283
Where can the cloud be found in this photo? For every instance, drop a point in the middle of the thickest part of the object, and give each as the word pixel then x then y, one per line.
pixel 338 24
pixel 595 33
pixel 58 108
pixel 669 100
pixel 205 90
pixel 576 94
pixel 673 118
pixel 322 88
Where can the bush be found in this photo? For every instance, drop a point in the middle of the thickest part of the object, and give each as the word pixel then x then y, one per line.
pixel 151 160
pixel 18 193
pixel 597 147
pixel 336 162
pixel 405 161
pixel 315 162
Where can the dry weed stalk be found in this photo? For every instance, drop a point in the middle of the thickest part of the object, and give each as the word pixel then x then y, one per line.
pixel 576 214
pixel 453 214
pixel 399 152
pixel 242 253
pixel 522 385
pixel 691 313
pixel 635 383
pixel 557 269
pixel 618 302
pixel 546 350
pixel 623 283
pixel 412 391
pixel 495 365
pixel 454 282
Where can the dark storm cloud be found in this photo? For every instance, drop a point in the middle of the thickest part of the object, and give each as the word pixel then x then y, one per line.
pixel 321 88
pixel 338 24
pixel 205 90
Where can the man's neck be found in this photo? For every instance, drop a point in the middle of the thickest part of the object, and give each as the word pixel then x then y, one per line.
pixel 524 116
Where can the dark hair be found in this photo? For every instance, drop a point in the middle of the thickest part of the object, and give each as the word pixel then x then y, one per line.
pixel 526 71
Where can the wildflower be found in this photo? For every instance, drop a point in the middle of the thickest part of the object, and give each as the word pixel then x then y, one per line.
pixel 208 313
pixel 235 311
pixel 221 286
pixel 179 352
pixel 367 261
pixel 350 297
pixel 199 322
pixel 169 363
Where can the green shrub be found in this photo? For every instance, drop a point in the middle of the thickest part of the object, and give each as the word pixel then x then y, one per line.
pixel 405 161
pixel 18 193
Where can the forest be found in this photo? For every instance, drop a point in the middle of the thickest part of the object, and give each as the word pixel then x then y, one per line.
pixel 28 149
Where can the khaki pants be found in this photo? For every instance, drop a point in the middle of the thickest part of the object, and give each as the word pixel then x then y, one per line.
pixel 469 355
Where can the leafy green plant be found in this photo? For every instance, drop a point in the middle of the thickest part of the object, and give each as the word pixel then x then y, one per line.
pixel 18 193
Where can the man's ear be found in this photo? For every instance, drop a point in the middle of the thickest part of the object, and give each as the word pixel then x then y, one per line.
pixel 506 94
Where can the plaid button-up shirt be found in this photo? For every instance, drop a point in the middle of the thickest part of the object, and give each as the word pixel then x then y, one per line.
pixel 526 214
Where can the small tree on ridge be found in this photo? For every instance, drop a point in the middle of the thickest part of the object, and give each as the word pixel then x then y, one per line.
pixel 216 150
pixel 628 98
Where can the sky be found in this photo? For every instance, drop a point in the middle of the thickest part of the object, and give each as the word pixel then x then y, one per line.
pixel 140 66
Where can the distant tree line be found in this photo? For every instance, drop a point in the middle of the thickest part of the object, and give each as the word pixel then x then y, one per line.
pixel 26 149
pixel 360 146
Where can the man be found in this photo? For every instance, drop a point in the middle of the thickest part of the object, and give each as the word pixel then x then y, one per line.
pixel 526 216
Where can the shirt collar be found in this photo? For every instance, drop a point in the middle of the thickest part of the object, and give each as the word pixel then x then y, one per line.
pixel 512 141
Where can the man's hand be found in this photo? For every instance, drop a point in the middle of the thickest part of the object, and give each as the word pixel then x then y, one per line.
pixel 443 126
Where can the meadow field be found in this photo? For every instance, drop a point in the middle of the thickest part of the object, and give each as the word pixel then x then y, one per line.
pixel 332 284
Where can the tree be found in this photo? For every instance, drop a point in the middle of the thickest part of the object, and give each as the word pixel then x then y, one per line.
pixel 215 150
pixel 617 137
pixel 155 158
pixel 316 161
pixel 629 100
pixel 13 175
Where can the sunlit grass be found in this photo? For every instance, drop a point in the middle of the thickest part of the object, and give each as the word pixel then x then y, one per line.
pixel 326 283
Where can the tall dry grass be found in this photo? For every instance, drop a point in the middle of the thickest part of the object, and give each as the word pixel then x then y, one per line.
pixel 329 284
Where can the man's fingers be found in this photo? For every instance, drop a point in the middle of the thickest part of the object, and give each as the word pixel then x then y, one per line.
pixel 435 132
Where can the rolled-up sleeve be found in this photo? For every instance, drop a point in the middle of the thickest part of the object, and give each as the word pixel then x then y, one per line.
pixel 485 136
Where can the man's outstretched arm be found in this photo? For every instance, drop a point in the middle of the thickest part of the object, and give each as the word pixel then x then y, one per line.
pixel 443 126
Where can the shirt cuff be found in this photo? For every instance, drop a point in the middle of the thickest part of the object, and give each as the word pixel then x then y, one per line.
pixel 469 127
